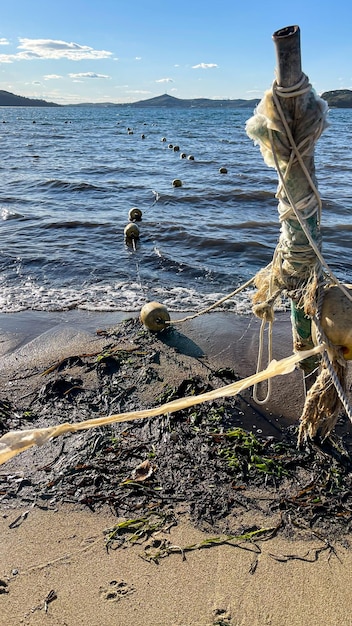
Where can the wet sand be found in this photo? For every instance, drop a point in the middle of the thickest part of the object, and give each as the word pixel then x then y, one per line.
pixel 62 549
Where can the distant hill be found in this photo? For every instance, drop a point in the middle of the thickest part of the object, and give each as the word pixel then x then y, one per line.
pixel 171 102
pixel 8 99
pixel 338 99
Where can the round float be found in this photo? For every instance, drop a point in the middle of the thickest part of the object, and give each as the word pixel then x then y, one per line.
pixel 131 231
pixel 177 182
pixel 153 316
pixel 135 214
pixel 336 319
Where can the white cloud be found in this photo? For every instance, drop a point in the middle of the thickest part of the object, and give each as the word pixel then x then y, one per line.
pixel 88 75
pixel 138 91
pixel 52 76
pixel 164 80
pixel 204 66
pixel 138 58
pixel 53 49
pixel 4 42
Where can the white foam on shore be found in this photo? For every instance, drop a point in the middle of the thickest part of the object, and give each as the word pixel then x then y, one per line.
pixel 117 297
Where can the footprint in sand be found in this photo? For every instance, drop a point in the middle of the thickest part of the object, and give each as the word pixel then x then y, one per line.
pixel 116 590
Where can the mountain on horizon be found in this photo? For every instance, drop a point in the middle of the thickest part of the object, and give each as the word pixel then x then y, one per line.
pixel 165 100
pixel 8 99
pixel 338 98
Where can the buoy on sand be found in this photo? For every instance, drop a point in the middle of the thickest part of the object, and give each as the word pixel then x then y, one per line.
pixel 336 319
pixel 154 315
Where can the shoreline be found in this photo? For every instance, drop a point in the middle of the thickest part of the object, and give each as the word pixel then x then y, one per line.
pixel 227 339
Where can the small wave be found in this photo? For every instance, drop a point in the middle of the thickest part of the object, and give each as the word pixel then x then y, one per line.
pixel 7 214
pixel 216 197
pixel 63 185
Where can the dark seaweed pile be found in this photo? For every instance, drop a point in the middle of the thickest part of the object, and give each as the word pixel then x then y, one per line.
pixel 201 461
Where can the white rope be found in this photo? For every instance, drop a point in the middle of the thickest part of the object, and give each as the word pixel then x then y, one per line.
pixel 213 306
pixel 306 203
pixel 260 360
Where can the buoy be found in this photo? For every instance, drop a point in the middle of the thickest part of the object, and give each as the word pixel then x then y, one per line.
pixel 177 182
pixel 131 231
pixel 154 315
pixel 170 146
pixel 183 155
pixel 336 319
pixel 176 148
pixel 143 136
pixel 163 139
pixel 190 157
pixel 223 170
pixel 130 132
pixel 135 215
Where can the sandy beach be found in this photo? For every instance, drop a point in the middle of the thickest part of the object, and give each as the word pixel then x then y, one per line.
pixel 55 566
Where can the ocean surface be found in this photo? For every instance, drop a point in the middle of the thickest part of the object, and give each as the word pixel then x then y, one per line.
pixel 69 177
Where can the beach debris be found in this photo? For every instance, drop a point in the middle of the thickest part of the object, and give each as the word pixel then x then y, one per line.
pixel 18 521
pixel 287 123
pixel 135 214
pixel 177 182
pixel 52 595
pixel 14 442
pixel 143 471
pixel 154 316
pixel 3 586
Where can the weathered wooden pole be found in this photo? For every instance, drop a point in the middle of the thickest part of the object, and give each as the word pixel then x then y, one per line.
pixel 288 121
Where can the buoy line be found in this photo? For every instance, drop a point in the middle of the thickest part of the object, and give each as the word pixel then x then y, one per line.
pixel 155 316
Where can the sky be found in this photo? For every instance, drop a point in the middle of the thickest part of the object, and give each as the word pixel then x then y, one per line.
pixel 129 50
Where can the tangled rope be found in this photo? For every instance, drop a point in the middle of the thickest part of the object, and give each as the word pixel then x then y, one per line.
pixel 298 268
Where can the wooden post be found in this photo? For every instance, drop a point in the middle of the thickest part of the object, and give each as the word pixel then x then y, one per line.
pixel 289 74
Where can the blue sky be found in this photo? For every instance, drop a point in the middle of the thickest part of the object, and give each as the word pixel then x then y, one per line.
pixel 123 51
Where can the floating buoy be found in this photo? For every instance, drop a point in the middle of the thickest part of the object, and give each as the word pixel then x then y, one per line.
pixel 131 231
pixel 223 170
pixel 154 315
pixel 170 146
pixel 130 132
pixel 163 139
pixel 336 319
pixel 177 182
pixel 190 157
pixel 143 136
pixel 135 215
pixel 176 148
pixel 183 155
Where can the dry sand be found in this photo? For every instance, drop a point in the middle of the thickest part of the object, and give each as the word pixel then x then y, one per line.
pixel 62 549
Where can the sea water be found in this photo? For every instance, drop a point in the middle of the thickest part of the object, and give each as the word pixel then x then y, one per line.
pixel 70 175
